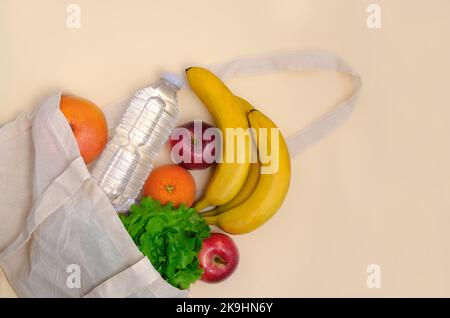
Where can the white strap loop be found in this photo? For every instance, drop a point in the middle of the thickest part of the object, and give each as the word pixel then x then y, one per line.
pixel 300 61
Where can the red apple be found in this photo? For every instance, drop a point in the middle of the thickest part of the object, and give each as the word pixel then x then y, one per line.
pixel 218 257
pixel 189 143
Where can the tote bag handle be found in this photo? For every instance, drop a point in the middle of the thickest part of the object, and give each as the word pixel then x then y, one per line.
pixel 299 61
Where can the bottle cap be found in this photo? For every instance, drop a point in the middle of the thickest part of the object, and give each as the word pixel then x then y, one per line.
pixel 173 78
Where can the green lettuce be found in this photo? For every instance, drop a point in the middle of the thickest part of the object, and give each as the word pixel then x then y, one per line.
pixel 170 237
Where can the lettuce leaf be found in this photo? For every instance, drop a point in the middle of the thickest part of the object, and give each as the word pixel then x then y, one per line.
pixel 170 237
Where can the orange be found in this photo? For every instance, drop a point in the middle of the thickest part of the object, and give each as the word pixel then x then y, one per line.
pixel 88 124
pixel 171 183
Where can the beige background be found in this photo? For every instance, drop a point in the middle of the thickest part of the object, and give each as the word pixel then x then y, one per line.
pixel 376 191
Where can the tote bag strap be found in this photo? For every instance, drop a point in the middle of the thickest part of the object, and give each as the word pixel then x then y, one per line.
pixel 299 61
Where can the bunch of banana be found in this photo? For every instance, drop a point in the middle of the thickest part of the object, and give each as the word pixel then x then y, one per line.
pixel 244 197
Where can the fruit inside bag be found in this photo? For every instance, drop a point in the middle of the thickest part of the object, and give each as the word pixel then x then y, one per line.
pixel 72 226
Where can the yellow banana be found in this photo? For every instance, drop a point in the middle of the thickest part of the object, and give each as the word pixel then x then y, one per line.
pixel 246 191
pixel 270 190
pixel 250 182
pixel 228 177
pixel 245 106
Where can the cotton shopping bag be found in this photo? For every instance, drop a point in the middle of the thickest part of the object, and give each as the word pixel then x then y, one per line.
pixel 55 220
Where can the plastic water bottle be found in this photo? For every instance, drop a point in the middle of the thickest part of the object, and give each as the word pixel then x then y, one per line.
pixel 124 165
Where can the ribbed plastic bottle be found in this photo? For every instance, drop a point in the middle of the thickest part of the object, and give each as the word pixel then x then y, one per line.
pixel 124 165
